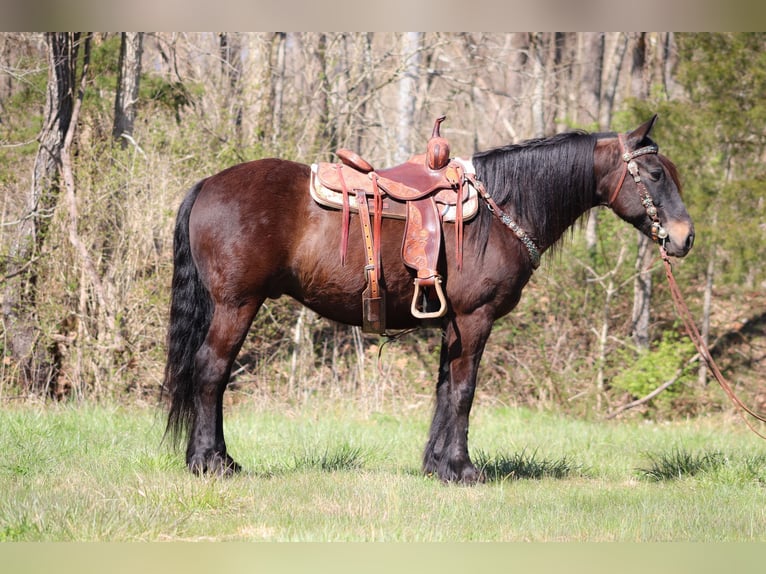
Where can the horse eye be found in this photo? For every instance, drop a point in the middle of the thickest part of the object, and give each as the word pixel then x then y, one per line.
pixel 656 174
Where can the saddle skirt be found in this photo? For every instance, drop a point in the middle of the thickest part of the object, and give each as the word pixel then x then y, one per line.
pixel 327 190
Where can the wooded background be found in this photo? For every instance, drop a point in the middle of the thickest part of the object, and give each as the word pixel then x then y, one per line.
pixel 101 134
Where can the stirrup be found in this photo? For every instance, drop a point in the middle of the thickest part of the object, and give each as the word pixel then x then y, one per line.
pixel 417 313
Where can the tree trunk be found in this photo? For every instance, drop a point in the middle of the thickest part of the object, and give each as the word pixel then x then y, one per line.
pixel 613 65
pixel 19 316
pixel 277 84
pixel 408 92
pixel 591 57
pixel 102 307
pixel 127 86
pixel 670 60
pixel 638 87
pixel 365 87
pixel 591 234
pixel 516 72
pixel 642 284
pixel 642 292
pixel 538 84
pixel 327 133
pixel 230 49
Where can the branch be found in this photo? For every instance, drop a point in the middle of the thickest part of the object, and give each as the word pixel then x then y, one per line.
pixel 20 270
pixel 656 391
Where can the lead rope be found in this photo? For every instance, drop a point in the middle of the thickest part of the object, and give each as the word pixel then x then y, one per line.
pixel 702 349
pixel 659 235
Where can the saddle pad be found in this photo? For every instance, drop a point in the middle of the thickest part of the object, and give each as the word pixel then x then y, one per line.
pixel 445 199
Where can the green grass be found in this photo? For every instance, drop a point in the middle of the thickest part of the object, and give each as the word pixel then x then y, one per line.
pixel 335 473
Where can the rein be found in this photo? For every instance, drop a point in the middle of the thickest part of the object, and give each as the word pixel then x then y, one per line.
pixel 702 349
pixel 659 235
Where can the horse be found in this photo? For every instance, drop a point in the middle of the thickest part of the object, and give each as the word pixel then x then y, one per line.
pixel 253 232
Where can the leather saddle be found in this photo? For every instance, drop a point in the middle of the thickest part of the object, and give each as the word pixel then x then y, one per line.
pixel 426 190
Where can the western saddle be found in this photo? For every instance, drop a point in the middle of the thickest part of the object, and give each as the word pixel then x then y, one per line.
pixel 425 191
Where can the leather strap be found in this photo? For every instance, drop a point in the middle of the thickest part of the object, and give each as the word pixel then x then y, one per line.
pixel 627 157
pixel 455 174
pixel 371 268
pixel 508 221
pixel 346 216
pixel 378 215
pixel 702 348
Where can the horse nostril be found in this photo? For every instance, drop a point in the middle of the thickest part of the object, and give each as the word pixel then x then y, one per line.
pixel 689 241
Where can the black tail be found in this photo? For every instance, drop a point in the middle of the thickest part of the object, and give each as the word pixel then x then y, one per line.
pixel 190 314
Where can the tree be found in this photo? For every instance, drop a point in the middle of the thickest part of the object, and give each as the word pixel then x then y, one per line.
pixel 128 80
pixel 20 290
pixel 408 92
pixel 590 62
pixel 276 94
pixel 724 75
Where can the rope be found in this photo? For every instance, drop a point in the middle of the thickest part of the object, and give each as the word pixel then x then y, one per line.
pixel 702 349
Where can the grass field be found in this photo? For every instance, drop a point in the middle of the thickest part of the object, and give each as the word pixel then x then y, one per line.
pixel 337 473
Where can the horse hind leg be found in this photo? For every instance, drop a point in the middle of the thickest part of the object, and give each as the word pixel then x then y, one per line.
pixel 206 451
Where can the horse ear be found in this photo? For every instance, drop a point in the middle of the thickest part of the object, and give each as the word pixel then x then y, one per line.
pixel 637 135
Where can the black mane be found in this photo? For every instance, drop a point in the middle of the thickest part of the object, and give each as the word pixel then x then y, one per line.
pixel 546 184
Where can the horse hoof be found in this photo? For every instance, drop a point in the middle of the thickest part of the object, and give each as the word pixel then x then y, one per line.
pixel 466 473
pixel 215 464
pixel 471 475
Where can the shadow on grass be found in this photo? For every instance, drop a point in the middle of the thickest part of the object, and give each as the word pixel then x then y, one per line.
pixel 524 465
pixel 679 463
pixel 496 468
pixel 332 459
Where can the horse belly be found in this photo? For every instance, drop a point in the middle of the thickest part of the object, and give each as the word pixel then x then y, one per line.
pixel 334 289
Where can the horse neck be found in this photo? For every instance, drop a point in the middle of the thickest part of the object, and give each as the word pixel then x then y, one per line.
pixel 546 184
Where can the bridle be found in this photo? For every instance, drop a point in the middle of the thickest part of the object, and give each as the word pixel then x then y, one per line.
pixel 659 233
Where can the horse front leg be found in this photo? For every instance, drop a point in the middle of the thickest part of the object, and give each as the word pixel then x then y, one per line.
pixel 446 453
pixel 206 450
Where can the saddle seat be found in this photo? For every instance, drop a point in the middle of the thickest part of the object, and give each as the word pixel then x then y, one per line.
pixel 405 182
pixel 425 191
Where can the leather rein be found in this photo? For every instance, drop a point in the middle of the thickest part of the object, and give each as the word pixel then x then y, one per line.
pixel 659 235
pixel 702 348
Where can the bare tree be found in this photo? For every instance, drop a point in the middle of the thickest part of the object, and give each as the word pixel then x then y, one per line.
pixel 131 47
pixel 590 64
pixel 537 49
pixel 20 289
pixel 408 89
pixel 277 67
pixel 642 285
pixel 519 57
pixel 613 61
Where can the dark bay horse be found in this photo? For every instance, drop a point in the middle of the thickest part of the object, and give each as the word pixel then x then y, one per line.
pixel 252 232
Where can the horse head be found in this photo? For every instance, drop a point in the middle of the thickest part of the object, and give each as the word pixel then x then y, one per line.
pixel 643 188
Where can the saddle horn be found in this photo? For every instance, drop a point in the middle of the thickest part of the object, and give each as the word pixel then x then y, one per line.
pixel 437 152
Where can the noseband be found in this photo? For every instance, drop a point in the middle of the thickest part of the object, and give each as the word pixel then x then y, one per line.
pixel 659 233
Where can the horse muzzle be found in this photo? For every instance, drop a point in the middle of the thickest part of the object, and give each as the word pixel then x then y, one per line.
pixel 680 238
